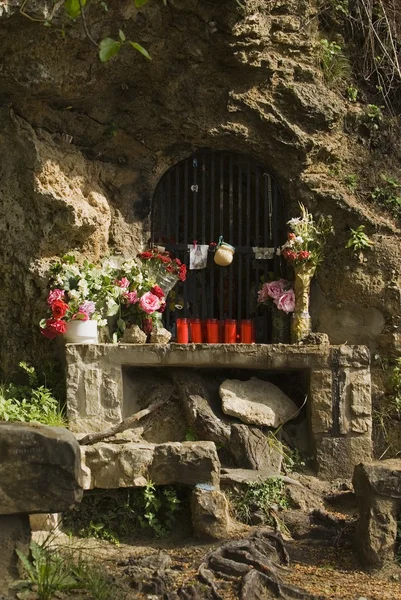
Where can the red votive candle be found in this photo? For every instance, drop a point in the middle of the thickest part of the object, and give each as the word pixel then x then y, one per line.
pixel 182 331
pixel 230 331
pixel 195 327
pixel 246 333
pixel 212 331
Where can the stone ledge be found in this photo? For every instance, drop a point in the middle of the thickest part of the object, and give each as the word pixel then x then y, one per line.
pixel 111 466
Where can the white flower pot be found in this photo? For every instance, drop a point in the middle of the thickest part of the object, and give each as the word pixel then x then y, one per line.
pixel 81 332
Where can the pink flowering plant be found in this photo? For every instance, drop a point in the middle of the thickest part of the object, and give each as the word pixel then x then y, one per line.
pixel 119 292
pixel 77 292
pixel 278 292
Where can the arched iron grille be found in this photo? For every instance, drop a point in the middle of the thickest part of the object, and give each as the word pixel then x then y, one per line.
pixel 213 194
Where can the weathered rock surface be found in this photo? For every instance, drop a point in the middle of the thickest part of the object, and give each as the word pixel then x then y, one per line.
pixel 257 402
pixel 378 490
pixel 134 335
pixel 111 466
pixel 160 336
pixel 15 534
pixel 198 409
pixel 210 513
pixel 337 457
pixel 252 449
pixel 39 469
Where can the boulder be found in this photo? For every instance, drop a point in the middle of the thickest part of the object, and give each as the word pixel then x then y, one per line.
pixel 188 463
pixel 39 469
pixel 378 490
pixel 252 449
pixel 257 402
pixel 134 335
pixel 210 513
pixel 110 466
pixel 198 409
pixel 160 336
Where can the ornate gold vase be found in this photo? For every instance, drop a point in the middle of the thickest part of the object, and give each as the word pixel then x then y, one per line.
pixel 301 324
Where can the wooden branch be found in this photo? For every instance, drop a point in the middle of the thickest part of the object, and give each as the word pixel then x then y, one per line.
pixel 127 423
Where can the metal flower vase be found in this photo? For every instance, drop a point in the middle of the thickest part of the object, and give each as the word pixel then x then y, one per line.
pixel 167 281
pixel 301 324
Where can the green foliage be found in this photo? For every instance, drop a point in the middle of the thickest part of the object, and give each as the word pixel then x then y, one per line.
pixel 30 402
pixel 258 496
pixel 47 570
pixel 387 416
pixel 335 65
pixel 352 94
pixel 351 181
pixel 50 572
pixel 372 117
pixel 116 516
pixel 389 194
pixel 358 240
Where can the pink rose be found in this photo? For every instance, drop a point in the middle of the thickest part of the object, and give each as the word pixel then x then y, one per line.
pixel 54 295
pixel 131 297
pixel 275 289
pixel 149 303
pixel 123 283
pixel 87 308
pixel 286 302
pixel 263 294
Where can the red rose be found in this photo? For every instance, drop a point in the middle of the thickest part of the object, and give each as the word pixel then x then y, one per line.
pixel 182 274
pixel 291 236
pixel 162 308
pixel 145 255
pixel 304 255
pixel 59 308
pixel 177 261
pixel 157 291
pixel 54 327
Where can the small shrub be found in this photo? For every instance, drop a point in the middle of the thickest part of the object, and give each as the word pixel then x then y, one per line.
pixel 358 240
pixel 263 496
pixel 119 514
pixel 351 181
pixel 372 117
pixel 389 194
pixel 352 94
pixel 335 65
pixel 30 402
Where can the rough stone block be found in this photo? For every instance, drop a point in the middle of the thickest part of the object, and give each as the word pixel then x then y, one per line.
pixel 45 522
pixel 210 513
pixel 355 401
pixel 378 491
pixel 189 463
pixel 251 449
pixel 110 466
pixel 321 399
pixel 14 534
pixel 39 469
pixel 337 457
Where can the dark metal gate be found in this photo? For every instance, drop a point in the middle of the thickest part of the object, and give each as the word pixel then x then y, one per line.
pixel 213 194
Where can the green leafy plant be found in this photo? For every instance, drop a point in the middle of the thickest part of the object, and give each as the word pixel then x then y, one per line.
pixel 47 570
pixel 358 240
pixel 30 402
pixel 389 194
pixel 114 516
pixel 352 94
pixel 258 496
pixel 335 65
pixel 372 117
pixel 351 181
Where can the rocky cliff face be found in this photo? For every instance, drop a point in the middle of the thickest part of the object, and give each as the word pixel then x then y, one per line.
pixel 84 145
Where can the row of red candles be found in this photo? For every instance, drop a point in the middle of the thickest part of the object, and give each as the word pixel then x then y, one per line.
pixel 213 331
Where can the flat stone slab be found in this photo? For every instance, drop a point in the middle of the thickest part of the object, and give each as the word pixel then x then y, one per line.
pixel 39 469
pixel 257 402
pixel 111 466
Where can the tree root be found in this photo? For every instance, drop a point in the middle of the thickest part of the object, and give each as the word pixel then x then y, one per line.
pixel 258 560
